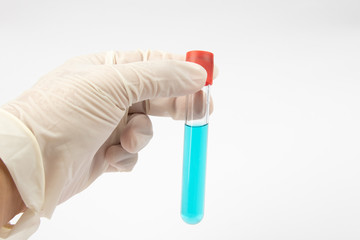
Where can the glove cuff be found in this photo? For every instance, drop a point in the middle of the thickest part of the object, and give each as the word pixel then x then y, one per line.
pixel 21 154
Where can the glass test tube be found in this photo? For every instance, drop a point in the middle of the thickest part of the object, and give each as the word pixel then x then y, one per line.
pixel 195 144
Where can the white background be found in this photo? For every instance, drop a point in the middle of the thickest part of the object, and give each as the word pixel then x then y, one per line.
pixel 284 140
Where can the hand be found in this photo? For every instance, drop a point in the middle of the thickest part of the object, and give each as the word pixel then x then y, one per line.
pixel 89 115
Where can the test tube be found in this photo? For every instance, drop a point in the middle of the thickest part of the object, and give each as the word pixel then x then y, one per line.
pixel 195 143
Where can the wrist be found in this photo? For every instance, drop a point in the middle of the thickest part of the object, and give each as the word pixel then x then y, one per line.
pixel 11 202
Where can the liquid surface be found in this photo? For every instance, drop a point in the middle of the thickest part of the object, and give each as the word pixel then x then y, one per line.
pixel 194 169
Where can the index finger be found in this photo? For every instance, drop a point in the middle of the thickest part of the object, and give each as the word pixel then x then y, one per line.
pixel 123 57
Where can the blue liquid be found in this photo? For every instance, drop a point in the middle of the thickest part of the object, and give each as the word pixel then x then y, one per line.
pixel 194 168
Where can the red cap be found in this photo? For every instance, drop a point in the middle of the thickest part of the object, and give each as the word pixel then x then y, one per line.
pixel 206 60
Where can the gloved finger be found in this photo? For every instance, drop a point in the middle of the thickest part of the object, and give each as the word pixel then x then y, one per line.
pixel 122 57
pixel 119 159
pixel 137 133
pixel 135 82
pixel 171 107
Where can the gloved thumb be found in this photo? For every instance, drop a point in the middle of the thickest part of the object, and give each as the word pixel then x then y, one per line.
pixel 140 81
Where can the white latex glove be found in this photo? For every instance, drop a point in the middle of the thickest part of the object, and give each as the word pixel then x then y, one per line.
pixel 87 117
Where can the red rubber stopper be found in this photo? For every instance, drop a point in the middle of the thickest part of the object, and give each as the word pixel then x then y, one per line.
pixel 206 60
